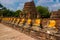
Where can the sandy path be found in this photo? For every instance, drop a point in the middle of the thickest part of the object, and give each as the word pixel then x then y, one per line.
pixel 7 33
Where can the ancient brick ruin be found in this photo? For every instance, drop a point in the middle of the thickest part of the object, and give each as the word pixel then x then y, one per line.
pixel 29 10
pixel 56 16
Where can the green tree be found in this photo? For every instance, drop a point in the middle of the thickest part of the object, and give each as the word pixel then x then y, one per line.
pixel 17 13
pixel 1 5
pixel 8 13
pixel 43 11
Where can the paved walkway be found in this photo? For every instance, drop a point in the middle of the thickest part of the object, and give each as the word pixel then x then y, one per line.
pixel 7 33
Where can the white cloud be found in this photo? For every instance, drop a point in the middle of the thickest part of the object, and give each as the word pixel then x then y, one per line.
pixel 8 1
pixel 44 1
pixel 10 4
pixel 56 5
pixel 53 5
pixel 21 5
pixel 40 2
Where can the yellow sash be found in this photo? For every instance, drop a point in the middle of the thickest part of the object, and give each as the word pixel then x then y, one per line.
pixel 52 23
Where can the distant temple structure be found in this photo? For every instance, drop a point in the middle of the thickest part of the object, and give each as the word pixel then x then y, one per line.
pixel 56 16
pixel 29 11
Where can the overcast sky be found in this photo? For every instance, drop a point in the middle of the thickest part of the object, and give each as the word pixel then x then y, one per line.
pixel 19 4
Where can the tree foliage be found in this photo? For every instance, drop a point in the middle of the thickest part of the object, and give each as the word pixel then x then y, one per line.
pixel 17 13
pixel 43 11
pixel 1 5
pixel 8 13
